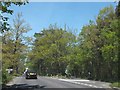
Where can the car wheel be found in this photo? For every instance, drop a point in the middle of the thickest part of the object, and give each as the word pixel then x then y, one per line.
pixel 35 77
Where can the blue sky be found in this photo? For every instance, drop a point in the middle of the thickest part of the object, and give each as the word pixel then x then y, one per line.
pixel 40 15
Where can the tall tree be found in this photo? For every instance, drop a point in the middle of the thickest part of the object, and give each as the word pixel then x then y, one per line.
pixel 14 42
pixel 98 43
pixel 51 47
pixel 118 34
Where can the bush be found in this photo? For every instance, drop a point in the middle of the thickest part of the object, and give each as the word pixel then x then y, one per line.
pixel 6 77
pixel 15 74
pixel 115 84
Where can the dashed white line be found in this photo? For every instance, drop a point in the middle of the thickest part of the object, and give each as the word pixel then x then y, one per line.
pixel 80 83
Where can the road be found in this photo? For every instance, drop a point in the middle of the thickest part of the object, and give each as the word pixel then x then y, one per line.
pixel 48 82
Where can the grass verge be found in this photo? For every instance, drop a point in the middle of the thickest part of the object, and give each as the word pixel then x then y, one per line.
pixel 115 84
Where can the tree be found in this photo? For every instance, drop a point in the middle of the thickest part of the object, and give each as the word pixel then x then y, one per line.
pixel 14 44
pixel 94 54
pixel 118 34
pixel 50 50
pixel 98 45
pixel 4 7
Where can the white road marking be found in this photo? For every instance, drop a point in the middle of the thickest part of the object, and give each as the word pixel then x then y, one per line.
pixel 74 81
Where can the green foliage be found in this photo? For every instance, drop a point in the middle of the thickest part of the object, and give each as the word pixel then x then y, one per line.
pixel 14 48
pixel 50 49
pixel 118 10
pixel 115 84
pixel 99 44
pixel 92 55
pixel 6 77
pixel 4 7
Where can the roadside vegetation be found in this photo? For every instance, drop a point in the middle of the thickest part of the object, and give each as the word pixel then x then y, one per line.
pixel 6 77
pixel 115 84
pixel 13 49
pixel 93 54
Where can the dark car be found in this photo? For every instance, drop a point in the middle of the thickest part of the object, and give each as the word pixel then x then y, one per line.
pixel 31 75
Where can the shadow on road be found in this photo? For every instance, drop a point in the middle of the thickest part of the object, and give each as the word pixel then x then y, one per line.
pixel 22 87
pixel 38 87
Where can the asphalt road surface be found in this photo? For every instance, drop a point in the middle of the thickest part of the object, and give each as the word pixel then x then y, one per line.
pixel 48 82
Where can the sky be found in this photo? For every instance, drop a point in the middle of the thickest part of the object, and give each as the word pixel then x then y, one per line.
pixel 75 15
